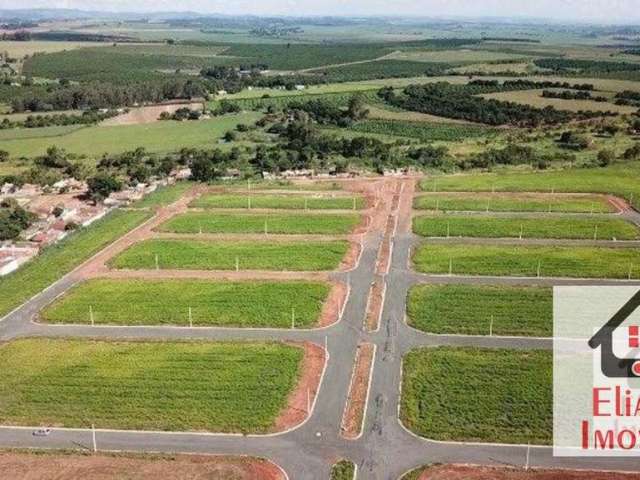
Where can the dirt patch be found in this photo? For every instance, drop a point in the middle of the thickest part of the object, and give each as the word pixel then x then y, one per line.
pixel 350 260
pixel 301 399
pixel 148 114
pixel 50 466
pixel 465 472
pixel 374 304
pixel 332 308
pixel 384 257
pixel 354 412
pixel 619 204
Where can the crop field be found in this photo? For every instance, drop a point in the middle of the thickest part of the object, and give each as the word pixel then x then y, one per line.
pixel 201 255
pixel 486 226
pixel 225 387
pixel 481 309
pixel 165 136
pixel 173 302
pixel 620 180
pixel 535 99
pixel 164 196
pixel 481 395
pixel 505 202
pixel 423 131
pixel 59 259
pixel 20 49
pixel 195 222
pixel 289 202
pixel 382 69
pixel 456 56
pixel 527 261
pixel 386 112
pixel 340 99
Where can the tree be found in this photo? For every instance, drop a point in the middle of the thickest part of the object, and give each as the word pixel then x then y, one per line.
pixel 357 108
pixel 4 156
pixel 102 185
pixel 606 157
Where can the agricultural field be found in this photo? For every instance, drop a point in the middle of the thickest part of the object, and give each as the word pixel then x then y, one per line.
pixel 57 260
pixel 93 141
pixel 382 69
pixel 513 202
pixel 177 386
pixel 423 131
pixel 485 226
pixel 528 261
pixel 57 131
pixel 620 179
pixel 241 255
pixel 164 196
pixel 481 310
pixel 285 202
pixel 463 394
pixel 535 99
pixel 181 302
pixel 456 56
pixel 21 49
pixel 196 222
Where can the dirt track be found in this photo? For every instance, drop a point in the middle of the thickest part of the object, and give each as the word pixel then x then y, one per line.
pixel 59 466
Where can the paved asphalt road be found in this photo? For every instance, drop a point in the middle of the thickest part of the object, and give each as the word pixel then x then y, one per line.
pixel 386 449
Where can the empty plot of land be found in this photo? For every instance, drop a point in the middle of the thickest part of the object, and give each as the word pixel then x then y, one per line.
pixel 206 222
pixel 455 56
pixel 485 226
pixel 164 195
pixel 467 472
pixel 78 466
pixel 510 202
pixel 528 261
pixel 481 310
pixel 485 395
pixel 229 387
pixel 20 49
pixel 293 202
pixel 204 255
pixel 182 302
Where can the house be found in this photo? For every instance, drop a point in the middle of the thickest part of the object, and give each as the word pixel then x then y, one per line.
pixel 611 365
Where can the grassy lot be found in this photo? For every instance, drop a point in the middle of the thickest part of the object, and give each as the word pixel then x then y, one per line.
pixel 620 179
pixel 197 255
pixel 164 196
pixel 226 387
pixel 59 259
pixel 20 49
pixel 343 470
pixel 484 395
pixel 155 137
pixel 43 132
pixel 194 222
pixel 167 302
pixel 474 309
pixel 423 131
pixel 507 202
pixel 512 260
pixel 455 56
pixel 528 227
pixel 291 202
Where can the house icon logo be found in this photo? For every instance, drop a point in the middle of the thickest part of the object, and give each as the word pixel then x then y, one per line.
pixel 611 365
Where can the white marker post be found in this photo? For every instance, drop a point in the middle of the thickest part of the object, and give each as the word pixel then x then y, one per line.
pixel 93 438
pixel 157 262
pixel 450 266
pixel 526 464
pixel 488 202
pixel 521 230
pixel 91 315
pixel 595 233
pixel 190 318
pixel 293 318
pixel 491 327
pixel 237 264
pixel 266 230
pixel 448 229
pixel 539 265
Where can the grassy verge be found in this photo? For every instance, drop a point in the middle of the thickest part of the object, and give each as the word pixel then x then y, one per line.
pixel 343 470
pixel 475 309
pixel 483 395
pixel 525 227
pixel 526 261
pixel 59 259
pixel 164 196
pixel 290 202
pixel 194 222
pixel 501 202
pixel 226 387
pixel 197 255
pixel 168 302
pixel 618 179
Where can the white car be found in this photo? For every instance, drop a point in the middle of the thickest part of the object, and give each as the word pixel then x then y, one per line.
pixel 42 432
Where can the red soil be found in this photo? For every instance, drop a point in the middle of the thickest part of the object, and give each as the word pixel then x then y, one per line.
pixel 356 401
pixel 374 306
pixel 465 472
pixel 332 307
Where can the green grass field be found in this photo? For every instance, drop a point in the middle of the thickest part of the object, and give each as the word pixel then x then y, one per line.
pixel 61 258
pixel 167 302
pixel 221 387
pixel 161 137
pixel 475 309
pixel 194 222
pixel 164 196
pixel 513 260
pixel 288 202
pixel 343 470
pixel 506 202
pixel 486 226
pixel 620 179
pixel 482 395
pixel 201 255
